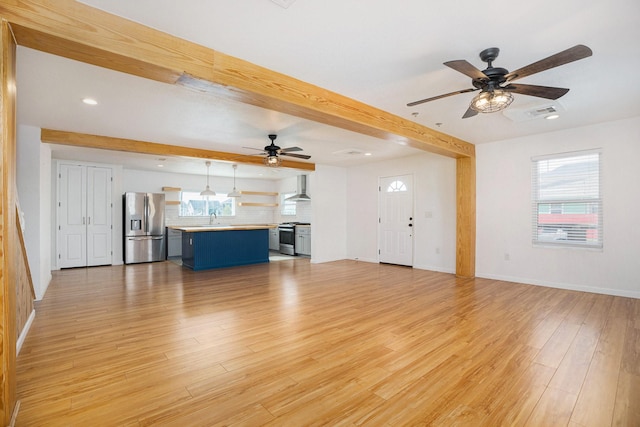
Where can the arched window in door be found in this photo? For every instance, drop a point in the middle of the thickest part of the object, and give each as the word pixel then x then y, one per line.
pixel 396 186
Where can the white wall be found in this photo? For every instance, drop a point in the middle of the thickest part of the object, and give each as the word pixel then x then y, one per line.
pixel 33 177
pixel 328 192
pixel 434 191
pixel 504 212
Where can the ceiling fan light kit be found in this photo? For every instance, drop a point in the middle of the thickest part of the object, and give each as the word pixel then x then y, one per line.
pixel 273 161
pixel 273 153
pixel 490 102
pixel 495 84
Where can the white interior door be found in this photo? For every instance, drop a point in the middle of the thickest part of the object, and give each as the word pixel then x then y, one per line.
pixel 84 235
pixel 395 228
pixel 72 217
pixel 98 216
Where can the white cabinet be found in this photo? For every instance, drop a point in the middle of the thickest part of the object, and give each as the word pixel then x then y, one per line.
pixel 84 215
pixel 274 239
pixel 303 240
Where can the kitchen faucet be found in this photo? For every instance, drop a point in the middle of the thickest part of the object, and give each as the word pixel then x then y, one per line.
pixel 211 217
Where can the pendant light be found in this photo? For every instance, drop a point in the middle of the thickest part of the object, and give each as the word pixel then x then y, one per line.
pixel 234 193
pixel 207 191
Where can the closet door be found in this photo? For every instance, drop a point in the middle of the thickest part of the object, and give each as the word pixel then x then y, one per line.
pixel 99 222
pixel 84 216
pixel 72 216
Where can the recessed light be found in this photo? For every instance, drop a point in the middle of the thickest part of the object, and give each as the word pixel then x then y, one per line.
pixel 89 101
pixel 552 116
pixel 160 166
pixel 367 154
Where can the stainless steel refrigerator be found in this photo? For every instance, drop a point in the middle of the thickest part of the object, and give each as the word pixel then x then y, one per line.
pixel 144 232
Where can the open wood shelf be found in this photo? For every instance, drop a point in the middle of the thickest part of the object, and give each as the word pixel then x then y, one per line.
pixel 258 193
pixel 256 204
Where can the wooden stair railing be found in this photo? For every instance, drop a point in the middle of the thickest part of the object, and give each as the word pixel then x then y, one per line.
pixel 25 293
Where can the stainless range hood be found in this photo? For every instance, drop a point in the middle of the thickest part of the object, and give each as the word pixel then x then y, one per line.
pixel 301 195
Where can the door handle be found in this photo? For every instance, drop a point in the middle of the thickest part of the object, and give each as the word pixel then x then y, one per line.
pixel 410 225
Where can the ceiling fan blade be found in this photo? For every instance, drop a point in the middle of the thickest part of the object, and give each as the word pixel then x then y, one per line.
pixel 566 56
pixel 466 68
pixel 469 113
pixel 539 91
pixel 251 148
pixel 290 149
pixel 298 156
pixel 422 101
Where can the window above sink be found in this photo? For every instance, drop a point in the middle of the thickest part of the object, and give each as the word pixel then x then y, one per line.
pixel 192 204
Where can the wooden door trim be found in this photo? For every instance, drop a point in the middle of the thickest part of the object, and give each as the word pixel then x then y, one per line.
pixel 8 233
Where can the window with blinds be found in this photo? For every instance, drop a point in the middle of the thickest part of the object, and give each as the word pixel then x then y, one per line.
pixel 566 199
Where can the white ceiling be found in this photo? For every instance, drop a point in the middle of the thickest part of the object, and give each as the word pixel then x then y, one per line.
pixel 381 53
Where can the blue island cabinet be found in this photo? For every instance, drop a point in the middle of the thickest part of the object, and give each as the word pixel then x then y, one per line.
pixel 203 250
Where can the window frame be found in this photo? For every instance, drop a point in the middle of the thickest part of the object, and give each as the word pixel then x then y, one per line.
pixel 568 203
pixel 288 207
pixel 397 186
pixel 208 199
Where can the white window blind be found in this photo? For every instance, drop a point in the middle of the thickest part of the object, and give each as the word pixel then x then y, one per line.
pixel 566 199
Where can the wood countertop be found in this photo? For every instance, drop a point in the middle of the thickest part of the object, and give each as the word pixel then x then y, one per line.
pixel 199 228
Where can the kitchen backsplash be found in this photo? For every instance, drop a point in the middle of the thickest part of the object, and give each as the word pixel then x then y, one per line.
pixel 244 215
pixel 261 192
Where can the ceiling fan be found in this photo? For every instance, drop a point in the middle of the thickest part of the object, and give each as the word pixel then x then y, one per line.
pixel 495 84
pixel 273 152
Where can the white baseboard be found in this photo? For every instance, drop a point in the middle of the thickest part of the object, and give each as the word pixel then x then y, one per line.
pixel 567 286
pixel 25 331
pixel 434 268
pixel 570 287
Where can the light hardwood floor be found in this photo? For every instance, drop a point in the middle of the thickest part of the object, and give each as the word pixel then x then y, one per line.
pixel 345 343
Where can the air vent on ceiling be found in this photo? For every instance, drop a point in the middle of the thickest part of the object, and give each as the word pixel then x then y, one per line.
pixel 530 112
pixel 542 111
pixel 283 3
pixel 349 152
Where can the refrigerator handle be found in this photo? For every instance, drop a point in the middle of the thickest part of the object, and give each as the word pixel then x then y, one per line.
pixel 146 213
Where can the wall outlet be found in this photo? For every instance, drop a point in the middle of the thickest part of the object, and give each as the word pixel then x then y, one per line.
pixel 437 250
pixel 428 214
pixel 507 257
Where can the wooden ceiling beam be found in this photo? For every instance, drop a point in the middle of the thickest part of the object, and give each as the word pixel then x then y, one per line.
pixel 132 146
pixel 77 31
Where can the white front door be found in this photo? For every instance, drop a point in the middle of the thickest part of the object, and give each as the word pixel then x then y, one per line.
pixel 395 228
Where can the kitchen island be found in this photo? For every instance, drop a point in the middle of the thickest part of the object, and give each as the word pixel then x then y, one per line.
pixel 219 246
